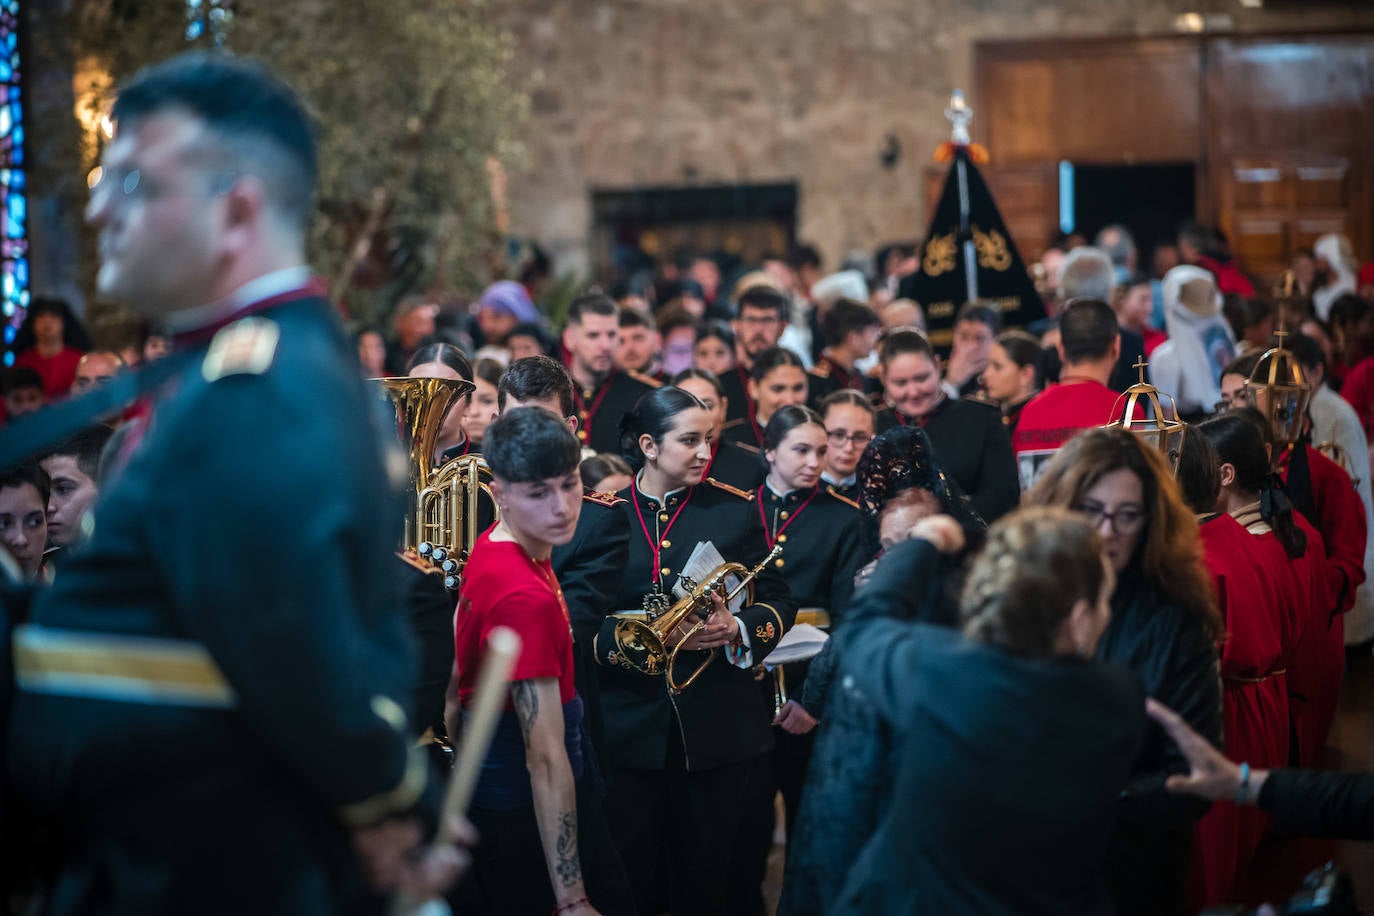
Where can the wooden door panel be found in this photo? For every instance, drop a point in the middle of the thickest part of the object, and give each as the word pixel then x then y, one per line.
pixel 1321 185
pixel 1304 106
pixel 1259 185
pixel 1260 241
pixel 1307 229
pixel 1103 101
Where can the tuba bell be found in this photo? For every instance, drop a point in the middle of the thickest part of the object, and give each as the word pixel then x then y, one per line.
pixel 441 513
pixel 643 644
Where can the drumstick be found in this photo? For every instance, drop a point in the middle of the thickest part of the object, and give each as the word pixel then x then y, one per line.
pixel 503 647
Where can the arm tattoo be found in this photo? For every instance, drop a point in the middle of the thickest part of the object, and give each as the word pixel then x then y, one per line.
pixel 525 696
pixel 568 869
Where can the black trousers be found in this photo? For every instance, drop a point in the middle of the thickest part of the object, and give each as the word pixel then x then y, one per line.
pixel 509 876
pixel 676 831
pixel 783 770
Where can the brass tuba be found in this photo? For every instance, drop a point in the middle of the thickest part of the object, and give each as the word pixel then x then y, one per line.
pixel 441 515
pixel 643 644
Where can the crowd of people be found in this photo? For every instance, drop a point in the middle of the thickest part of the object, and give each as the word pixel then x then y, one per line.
pixel 955 587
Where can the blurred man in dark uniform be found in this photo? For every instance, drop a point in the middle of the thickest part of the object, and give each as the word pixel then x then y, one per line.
pixel 590 566
pixel 210 707
pixel 602 392
pixel 758 327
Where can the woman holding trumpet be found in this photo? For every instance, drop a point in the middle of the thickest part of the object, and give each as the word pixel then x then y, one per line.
pixel 679 761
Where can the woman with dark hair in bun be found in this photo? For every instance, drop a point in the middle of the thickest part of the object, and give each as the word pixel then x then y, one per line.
pixel 443 360
pixel 778 378
pixel 1014 374
pixel 826 539
pixel 679 765
pixel 738 467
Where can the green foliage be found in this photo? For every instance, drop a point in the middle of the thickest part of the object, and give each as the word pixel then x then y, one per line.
pixel 411 98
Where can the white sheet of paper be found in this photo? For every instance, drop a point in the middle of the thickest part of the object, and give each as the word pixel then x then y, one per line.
pixel 801 643
pixel 705 558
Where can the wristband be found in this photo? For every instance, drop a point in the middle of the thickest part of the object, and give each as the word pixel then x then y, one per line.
pixel 571 905
pixel 1243 796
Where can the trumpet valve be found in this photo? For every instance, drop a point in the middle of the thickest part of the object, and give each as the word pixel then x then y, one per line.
pixel 438 554
pixel 425 549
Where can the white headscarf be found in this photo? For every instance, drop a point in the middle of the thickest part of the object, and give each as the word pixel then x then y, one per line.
pixel 1188 365
pixel 1336 251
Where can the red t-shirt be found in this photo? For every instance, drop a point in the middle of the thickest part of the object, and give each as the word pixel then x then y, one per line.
pixel 503 586
pixel 58 371
pixel 1056 415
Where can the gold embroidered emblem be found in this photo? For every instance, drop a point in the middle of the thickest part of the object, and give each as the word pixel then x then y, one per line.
pixel 992 249
pixel 939 256
pixel 764 631
pixel 606 499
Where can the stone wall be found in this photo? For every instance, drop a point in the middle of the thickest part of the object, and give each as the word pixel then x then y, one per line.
pixel 675 92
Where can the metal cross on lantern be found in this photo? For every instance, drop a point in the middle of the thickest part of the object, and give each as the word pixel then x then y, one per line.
pixel 1278 390
pixel 1160 430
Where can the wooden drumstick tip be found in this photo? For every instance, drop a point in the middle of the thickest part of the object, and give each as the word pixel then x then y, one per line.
pixel 503 647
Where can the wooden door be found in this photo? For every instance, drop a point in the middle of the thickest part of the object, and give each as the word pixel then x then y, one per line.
pixel 1290 134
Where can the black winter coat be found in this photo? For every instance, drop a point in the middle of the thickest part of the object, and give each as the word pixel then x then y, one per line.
pixel 1170 650
pixel 991 788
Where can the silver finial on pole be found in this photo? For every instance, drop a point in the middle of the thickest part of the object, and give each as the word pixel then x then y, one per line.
pixel 959 114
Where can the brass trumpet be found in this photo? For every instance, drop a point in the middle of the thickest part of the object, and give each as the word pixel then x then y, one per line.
pixel 643 644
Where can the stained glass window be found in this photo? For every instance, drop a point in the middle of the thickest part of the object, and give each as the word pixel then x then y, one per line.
pixel 14 195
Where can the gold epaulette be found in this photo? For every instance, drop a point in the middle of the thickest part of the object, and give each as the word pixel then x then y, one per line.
pixel 820 370
pixel 734 491
pixel 644 379
pixel 841 497
pixel 246 347
pixel 605 499
pixel 731 424
pixel 752 449
pixel 413 558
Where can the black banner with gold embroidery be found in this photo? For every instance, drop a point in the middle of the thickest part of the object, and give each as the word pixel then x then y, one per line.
pixel 969 255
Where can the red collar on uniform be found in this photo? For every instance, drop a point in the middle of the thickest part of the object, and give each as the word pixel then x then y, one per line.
pixel 194 336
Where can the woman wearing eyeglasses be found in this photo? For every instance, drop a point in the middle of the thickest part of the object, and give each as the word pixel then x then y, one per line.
pixel 1164 627
pixel 825 539
pixel 850 424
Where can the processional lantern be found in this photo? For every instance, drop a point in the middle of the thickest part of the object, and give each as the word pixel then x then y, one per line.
pixel 1277 389
pixel 1144 416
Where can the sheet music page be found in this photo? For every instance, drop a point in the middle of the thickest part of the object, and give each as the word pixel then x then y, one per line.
pixel 801 643
pixel 705 558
